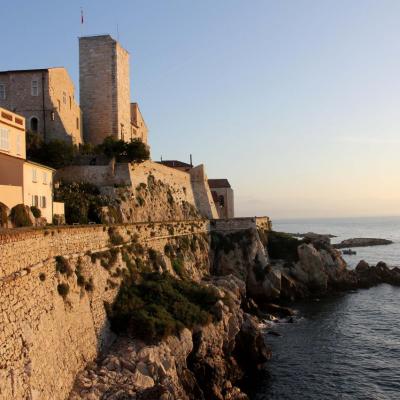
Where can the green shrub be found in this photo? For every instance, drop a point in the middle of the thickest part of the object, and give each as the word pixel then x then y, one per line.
pixel 36 212
pixel 140 200
pixel 156 259
pixel 168 250
pixel 20 216
pixel 170 197
pixel 260 271
pixel 228 242
pixel 55 153
pixel 62 266
pixel 160 306
pixel 42 276
pixel 282 246
pixel 83 202
pixel 115 238
pixel 178 264
pixel 63 289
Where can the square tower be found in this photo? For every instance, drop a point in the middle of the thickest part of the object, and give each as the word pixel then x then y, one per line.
pixel 104 89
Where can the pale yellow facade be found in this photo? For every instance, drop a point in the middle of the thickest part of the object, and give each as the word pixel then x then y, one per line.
pixel 22 181
pixel 11 195
pixel 12 134
pixel 38 188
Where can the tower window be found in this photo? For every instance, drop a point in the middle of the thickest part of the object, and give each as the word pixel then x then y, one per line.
pixel 77 123
pixel 2 92
pixel 34 124
pixel 64 98
pixel 59 105
pixel 35 88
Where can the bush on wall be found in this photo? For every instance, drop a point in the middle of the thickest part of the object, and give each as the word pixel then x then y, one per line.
pixel 83 202
pixel 20 216
pixel 36 212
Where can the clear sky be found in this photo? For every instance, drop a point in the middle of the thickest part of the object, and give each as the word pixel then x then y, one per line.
pixel 296 102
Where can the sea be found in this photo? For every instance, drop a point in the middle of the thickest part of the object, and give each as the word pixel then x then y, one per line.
pixel 345 346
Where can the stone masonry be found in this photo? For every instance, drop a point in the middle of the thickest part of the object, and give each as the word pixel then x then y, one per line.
pixel 46 98
pixel 104 88
pixel 46 339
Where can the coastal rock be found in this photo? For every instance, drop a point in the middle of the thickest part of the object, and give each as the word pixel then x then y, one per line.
pixel 361 242
pixel 201 364
pixel 369 276
pixel 309 270
pixel 251 349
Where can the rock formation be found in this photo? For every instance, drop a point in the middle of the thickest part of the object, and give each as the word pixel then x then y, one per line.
pixel 361 242
pixel 204 363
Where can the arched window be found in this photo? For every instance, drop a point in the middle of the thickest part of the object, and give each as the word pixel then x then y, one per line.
pixel 34 124
pixel 221 201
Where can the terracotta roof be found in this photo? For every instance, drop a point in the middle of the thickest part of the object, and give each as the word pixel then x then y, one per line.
pixel 218 183
pixel 175 163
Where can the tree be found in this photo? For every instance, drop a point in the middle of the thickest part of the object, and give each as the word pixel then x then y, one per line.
pixel 135 150
pixel 55 153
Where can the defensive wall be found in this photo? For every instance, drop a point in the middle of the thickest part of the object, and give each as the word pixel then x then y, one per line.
pixel 47 338
pixel 190 187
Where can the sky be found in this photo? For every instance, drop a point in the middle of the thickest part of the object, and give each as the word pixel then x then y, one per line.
pixel 296 102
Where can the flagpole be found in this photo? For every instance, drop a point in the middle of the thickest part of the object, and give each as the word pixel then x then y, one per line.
pixel 81 22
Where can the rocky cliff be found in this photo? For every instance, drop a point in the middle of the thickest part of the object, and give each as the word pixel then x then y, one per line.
pixel 210 360
pixel 181 302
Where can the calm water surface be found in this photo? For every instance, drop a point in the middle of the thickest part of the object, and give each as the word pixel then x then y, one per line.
pixel 344 347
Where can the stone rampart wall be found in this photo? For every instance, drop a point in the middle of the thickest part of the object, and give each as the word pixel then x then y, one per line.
pixel 45 338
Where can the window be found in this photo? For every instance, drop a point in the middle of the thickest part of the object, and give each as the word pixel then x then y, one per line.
pixel 70 103
pixel 42 201
pixel 64 98
pixel 4 139
pixel 34 124
pixel 35 201
pixel 19 144
pixel 34 175
pixel 35 88
pixel 44 178
pixel 2 91
pixel 77 123
pixel 59 105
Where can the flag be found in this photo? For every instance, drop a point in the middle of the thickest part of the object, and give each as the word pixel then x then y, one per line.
pixel 81 16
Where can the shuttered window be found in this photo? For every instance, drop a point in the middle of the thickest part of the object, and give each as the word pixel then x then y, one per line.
pixel 4 139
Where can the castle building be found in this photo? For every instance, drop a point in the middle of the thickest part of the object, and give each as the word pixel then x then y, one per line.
pixel 22 181
pixel 105 91
pixel 46 99
pixel 223 197
pixel 138 125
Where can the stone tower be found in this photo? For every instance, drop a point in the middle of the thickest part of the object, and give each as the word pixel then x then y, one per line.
pixel 104 88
